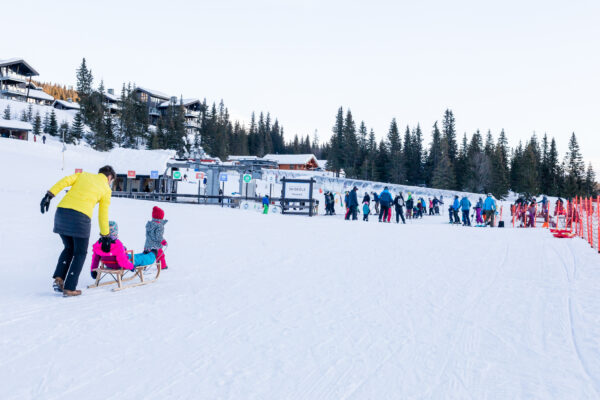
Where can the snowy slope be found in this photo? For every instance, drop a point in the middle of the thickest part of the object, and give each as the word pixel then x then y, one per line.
pixel 17 107
pixel 283 307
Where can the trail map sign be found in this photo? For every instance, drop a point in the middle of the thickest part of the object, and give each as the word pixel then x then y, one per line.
pixel 176 174
pixel 131 174
pixel 153 174
pixel 247 178
pixel 297 196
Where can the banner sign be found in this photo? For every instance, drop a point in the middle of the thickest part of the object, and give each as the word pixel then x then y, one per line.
pixel 297 190
pixel 153 174
pixel 131 174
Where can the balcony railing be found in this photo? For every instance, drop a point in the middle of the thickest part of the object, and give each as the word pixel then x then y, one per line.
pixel 15 76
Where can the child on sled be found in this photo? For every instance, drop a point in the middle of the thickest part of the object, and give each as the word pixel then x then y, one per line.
pixel 155 230
pixel 117 253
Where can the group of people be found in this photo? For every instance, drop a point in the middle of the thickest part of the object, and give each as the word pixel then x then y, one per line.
pixel 72 222
pixel 526 209
pixel 484 211
pixel 385 204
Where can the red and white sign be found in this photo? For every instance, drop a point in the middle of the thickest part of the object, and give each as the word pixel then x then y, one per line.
pixel 78 170
pixel 131 174
pixel 199 175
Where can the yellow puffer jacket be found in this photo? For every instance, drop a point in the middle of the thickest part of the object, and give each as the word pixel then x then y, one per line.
pixel 86 191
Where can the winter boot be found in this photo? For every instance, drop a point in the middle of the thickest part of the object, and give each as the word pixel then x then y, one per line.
pixel 71 293
pixel 58 285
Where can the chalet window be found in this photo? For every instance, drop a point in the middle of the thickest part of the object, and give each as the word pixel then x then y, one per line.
pixel 143 97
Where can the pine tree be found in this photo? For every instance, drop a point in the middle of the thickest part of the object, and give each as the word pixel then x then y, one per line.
pixel 461 165
pixel 6 114
pixel 24 116
pixel 443 175
pixel 64 132
pixel 337 157
pixel 396 168
pixel 575 168
pixel 30 113
pixel 382 173
pixel 37 124
pixel 350 148
pixel 434 154
pixel 590 184
pixel 53 124
pixel 76 132
pixel 449 135
pixel 46 122
pixel 554 171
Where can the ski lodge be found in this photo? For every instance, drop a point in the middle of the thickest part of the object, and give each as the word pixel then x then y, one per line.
pixel 297 162
pixel 13 129
pixel 15 83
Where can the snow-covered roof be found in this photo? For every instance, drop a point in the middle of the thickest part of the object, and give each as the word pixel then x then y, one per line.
pixel 186 102
pixel 298 159
pixel 322 163
pixel 67 104
pixel 112 97
pixel 238 158
pixel 12 61
pixel 14 124
pixel 140 161
pixel 40 95
pixel 154 93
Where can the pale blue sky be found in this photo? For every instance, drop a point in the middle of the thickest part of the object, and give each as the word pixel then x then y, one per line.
pixel 519 65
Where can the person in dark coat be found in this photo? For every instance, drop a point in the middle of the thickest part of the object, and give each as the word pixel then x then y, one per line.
pixel 399 206
pixel 367 198
pixel 352 204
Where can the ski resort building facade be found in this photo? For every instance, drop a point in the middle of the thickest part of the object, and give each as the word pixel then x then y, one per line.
pixel 15 83
pixel 304 162
pixel 12 129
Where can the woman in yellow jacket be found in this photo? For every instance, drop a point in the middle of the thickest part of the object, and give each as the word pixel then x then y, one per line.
pixel 72 222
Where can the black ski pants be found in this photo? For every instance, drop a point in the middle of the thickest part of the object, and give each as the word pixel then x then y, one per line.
pixel 466 219
pixel 400 214
pixel 71 260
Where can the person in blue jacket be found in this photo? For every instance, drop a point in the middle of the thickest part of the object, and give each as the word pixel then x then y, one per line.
pixel 352 204
pixel 265 203
pixel 489 209
pixel 465 205
pixel 385 201
pixel 455 207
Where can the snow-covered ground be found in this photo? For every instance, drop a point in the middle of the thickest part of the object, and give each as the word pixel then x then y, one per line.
pixel 286 307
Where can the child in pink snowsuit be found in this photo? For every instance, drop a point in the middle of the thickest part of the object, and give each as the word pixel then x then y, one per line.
pixel 117 254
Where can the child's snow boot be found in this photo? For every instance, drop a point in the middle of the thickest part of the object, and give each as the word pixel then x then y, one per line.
pixel 58 285
pixel 71 293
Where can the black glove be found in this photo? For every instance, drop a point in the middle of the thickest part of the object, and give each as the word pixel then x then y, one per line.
pixel 105 242
pixel 45 204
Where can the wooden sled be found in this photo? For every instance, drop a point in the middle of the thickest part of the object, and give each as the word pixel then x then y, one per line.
pixel 120 275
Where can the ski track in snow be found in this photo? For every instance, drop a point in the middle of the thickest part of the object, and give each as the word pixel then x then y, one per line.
pixel 257 307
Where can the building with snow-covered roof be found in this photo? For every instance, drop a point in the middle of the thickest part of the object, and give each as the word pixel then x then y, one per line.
pixel 15 129
pixel 307 162
pixel 15 82
pixel 152 99
pixel 111 101
pixel 65 105
pixel 191 107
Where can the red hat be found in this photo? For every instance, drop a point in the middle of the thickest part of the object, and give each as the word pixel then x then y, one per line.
pixel 158 213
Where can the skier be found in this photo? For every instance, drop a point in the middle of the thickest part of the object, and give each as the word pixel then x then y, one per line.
pixel 478 208
pixel 376 200
pixel 465 205
pixel 366 211
pixel 385 200
pixel 430 206
pixel 409 206
pixel 44 139
pixel 265 203
pixel 72 222
pixel 352 204
pixel 436 205
pixel 455 207
pixel 399 205
pixel 489 209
